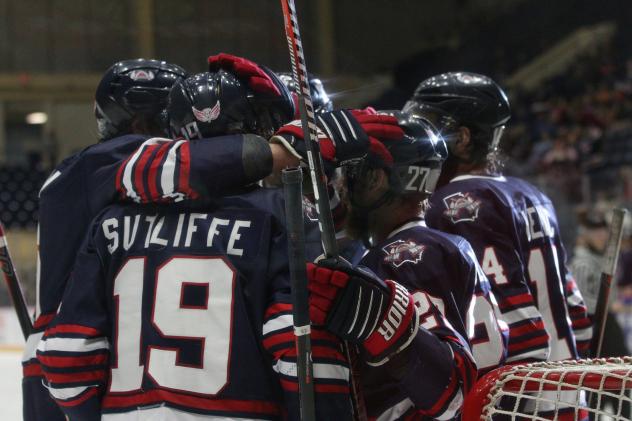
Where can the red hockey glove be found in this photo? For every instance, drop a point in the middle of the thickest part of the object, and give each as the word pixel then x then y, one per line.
pixel 359 307
pixel 255 76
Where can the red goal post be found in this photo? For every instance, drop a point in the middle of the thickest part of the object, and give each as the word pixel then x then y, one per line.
pixel 557 390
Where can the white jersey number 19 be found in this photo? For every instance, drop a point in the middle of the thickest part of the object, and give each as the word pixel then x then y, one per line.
pixel 210 323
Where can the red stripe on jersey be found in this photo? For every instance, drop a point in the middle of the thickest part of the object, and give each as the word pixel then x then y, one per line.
pixel 584 323
pixel 516 300
pixel 96 375
pixel 119 175
pixel 278 338
pixel 154 195
pixel 277 308
pixel 138 172
pixel 528 328
pixel 534 342
pixel 81 399
pixel 467 371
pixel 78 329
pixel 292 386
pixel 43 320
pixel 185 168
pixel 32 369
pixel 51 361
pixel 212 404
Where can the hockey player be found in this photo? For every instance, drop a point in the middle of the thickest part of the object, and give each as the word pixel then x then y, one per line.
pixel 510 224
pixel 129 100
pixel 129 103
pixel 432 271
pixel 185 308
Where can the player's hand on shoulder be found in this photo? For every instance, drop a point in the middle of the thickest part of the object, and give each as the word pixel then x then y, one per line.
pixel 257 77
pixel 341 138
pixel 359 307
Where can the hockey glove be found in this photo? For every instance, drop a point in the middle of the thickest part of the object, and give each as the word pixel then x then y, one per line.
pixel 257 77
pixel 341 139
pixel 359 307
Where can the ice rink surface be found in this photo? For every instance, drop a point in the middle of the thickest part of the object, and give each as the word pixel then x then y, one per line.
pixel 10 389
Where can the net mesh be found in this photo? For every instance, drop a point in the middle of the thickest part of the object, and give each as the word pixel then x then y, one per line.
pixel 596 389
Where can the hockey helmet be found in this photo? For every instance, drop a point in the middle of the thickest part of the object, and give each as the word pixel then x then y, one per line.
pixel 217 103
pixel 412 162
pixel 131 88
pixel 469 99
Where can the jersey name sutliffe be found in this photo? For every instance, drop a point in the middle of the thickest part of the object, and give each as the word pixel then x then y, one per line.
pixel 127 231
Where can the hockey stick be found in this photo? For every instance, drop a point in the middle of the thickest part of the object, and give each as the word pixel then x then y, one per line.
pixel 293 192
pixel 306 109
pixel 609 268
pixel 13 284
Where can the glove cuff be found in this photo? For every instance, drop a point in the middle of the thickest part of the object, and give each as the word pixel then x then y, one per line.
pixel 397 328
pixel 287 141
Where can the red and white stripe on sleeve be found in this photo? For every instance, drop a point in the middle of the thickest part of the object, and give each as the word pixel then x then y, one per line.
pixel 580 321
pixel 74 360
pixel 158 171
pixel 331 371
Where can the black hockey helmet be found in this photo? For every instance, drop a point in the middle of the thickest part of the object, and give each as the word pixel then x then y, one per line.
pixel 217 103
pixel 463 99
pixel 320 99
pixel 131 88
pixel 413 162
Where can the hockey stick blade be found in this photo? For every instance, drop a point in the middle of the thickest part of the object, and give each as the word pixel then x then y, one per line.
pixel 14 287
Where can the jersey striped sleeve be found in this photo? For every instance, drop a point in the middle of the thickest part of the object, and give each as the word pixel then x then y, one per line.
pixel 331 371
pixel 74 360
pixel 580 321
pixel 74 350
pixel 159 170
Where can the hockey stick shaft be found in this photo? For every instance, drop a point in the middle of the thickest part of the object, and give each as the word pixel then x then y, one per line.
pixel 292 188
pixel 317 174
pixel 14 287
pixel 609 269
pixel 308 122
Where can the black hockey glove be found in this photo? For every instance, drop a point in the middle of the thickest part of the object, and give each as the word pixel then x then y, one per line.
pixel 359 307
pixel 341 138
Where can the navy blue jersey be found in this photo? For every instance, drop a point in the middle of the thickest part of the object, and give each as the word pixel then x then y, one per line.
pixel 83 184
pixel 173 309
pixel 513 230
pixel 450 291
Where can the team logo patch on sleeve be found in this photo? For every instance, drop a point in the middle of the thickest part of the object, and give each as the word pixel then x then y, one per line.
pixel 461 207
pixel 400 252
pixel 206 115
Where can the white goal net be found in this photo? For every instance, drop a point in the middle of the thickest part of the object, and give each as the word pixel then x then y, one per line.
pixel 593 389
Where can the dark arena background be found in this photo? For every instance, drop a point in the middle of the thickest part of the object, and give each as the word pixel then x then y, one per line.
pixel 566 66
